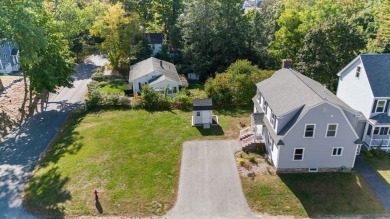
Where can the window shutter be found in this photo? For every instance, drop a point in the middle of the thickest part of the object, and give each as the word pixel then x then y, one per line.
pixel 374 107
pixel 387 106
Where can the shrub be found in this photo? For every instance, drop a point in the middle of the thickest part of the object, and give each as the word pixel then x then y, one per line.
pixel 94 99
pixel 153 100
pixel 182 101
pixel 377 152
pixel 368 154
pixel 252 158
pixel 241 161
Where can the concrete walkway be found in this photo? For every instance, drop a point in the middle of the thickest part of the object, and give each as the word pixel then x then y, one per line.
pixel 20 152
pixel 376 182
pixel 209 185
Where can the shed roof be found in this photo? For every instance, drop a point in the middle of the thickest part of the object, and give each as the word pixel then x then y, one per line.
pixel 203 104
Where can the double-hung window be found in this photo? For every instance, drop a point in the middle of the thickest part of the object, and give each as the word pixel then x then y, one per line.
pixel 380 106
pixel 265 107
pixel 357 72
pixel 331 131
pixel 376 130
pixel 298 154
pixel 337 151
pixel 309 130
pixel 273 119
pixel 384 131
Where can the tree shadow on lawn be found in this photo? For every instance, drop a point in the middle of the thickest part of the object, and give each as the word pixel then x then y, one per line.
pixel 65 142
pixel 214 130
pixel 327 194
pixel 45 193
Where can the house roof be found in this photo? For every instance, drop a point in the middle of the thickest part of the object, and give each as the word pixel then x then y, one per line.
pixel 382 118
pixel 203 104
pixel 288 90
pixel 154 38
pixel 377 68
pixel 145 67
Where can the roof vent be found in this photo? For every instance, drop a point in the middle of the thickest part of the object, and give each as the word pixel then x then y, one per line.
pixel 161 64
pixel 286 63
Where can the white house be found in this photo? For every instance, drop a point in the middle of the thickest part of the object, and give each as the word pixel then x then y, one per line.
pixel 364 84
pixel 203 113
pixel 9 57
pixel 155 41
pixel 159 74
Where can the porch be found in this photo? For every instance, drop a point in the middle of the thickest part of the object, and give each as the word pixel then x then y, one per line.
pixel 249 136
pixel 372 142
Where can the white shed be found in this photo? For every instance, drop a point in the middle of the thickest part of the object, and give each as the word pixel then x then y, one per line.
pixel 203 113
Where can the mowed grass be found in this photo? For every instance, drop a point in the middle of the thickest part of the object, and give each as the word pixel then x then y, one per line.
pixel 312 195
pixel 131 157
pixel 381 165
pixel 113 87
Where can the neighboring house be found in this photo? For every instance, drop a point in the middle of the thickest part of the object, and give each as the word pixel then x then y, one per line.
pixel 155 41
pixel 159 74
pixel 304 126
pixel 9 57
pixel 203 113
pixel 364 84
pixel 251 4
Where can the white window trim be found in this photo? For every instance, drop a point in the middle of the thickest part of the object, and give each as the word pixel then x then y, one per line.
pixel 198 113
pixel 342 150
pixel 377 104
pixel 327 129
pixel 303 154
pixel 314 131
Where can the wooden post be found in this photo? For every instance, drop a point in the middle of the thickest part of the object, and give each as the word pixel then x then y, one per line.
pixel 1 85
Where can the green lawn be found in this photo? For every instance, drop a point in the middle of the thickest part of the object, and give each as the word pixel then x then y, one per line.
pixel 131 157
pixel 312 195
pixel 113 87
pixel 381 165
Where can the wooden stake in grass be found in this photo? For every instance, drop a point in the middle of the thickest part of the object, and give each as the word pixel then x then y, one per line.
pixel 1 85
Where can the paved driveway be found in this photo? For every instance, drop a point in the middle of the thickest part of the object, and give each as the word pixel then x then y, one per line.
pixel 20 152
pixel 209 185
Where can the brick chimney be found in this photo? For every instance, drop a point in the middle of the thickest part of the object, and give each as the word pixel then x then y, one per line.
pixel 286 63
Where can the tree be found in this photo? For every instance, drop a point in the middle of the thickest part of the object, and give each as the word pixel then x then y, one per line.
pixel 328 47
pixel 42 50
pixel 212 34
pixel 298 18
pixel 237 85
pixel 119 30
pixel 384 20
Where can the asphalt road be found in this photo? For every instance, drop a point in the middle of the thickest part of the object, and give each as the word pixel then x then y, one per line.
pixel 209 185
pixel 20 152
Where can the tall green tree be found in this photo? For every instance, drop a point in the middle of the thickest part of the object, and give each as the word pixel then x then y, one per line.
pixel 213 34
pixel 119 31
pixel 298 18
pixel 327 48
